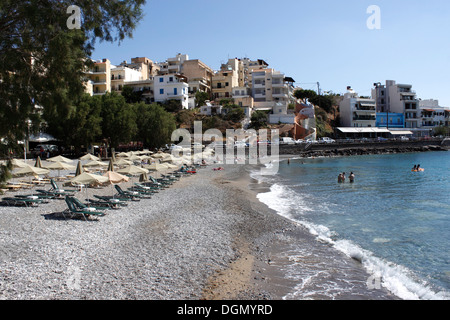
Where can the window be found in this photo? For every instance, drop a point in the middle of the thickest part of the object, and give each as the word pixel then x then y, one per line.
pixel 161 79
pixel 175 91
pixel 161 91
pixel 171 79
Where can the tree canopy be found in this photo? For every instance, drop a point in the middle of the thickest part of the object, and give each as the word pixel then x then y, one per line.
pixel 42 61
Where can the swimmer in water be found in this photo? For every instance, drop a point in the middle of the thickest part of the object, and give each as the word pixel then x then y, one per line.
pixel 351 177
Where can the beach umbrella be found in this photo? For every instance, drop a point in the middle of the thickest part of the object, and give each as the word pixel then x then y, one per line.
pixel 143 177
pixel 31 171
pixel 114 177
pixel 89 179
pixel 95 163
pixel 132 170
pixel 171 166
pixel 60 159
pixel 38 163
pixel 18 163
pixel 123 155
pixel 89 157
pixel 110 165
pixel 79 169
pixel 60 166
pixel 122 162
pixel 160 155
pixel 158 167
pixel 170 158
pixel 134 157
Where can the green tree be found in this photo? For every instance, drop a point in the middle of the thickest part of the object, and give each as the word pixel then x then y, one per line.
pixel 172 105
pixel 200 98
pixel 82 126
pixel 304 94
pixel 154 125
pixel 130 95
pixel 235 114
pixel 258 120
pixel 43 62
pixel 324 102
pixel 118 119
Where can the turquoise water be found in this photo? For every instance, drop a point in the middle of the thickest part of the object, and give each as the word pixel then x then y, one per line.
pixel 395 221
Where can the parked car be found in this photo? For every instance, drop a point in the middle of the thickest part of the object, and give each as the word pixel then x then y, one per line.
pixel 382 139
pixel 403 138
pixel 326 140
pixel 287 140
pixel 300 141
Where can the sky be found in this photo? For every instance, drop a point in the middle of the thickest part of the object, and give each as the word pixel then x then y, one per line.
pixel 325 41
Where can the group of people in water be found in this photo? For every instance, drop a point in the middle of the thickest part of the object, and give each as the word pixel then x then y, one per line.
pixel 417 168
pixel 341 177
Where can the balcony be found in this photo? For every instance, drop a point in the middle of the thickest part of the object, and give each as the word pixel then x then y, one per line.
pixel 364 118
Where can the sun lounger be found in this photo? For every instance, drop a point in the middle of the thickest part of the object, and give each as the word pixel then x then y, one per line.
pixel 74 210
pixel 142 189
pixel 55 188
pixel 33 197
pixel 113 200
pixel 97 203
pixel 82 205
pixel 26 202
pixel 131 194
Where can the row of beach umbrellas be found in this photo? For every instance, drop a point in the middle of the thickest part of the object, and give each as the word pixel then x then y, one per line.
pixel 165 161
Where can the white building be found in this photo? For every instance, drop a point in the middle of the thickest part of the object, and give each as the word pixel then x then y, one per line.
pixel 121 75
pixel 433 115
pixel 356 111
pixel 171 87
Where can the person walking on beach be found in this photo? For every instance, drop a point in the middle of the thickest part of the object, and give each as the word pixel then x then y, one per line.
pixel 351 177
pixel 340 178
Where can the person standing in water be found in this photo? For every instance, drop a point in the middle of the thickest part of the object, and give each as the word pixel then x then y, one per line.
pixel 351 177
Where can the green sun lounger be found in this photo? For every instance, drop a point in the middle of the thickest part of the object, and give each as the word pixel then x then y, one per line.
pixel 85 212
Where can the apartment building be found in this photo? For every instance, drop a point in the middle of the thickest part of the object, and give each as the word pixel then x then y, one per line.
pixel 224 81
pixel 433 115
pixel 356 111
pixel 147 67
pixel 398 98
pixel 173 65
pixel 99 77
pixel 171 87
pixel 199 76
pixel 122 75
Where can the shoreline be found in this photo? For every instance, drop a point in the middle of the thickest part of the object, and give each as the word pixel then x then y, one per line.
pixel 263 261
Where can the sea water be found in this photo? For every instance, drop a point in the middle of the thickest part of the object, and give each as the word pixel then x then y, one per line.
pixel 394 221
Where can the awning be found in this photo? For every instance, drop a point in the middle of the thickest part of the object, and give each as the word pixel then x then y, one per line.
pixel 402 133
pixel 363 130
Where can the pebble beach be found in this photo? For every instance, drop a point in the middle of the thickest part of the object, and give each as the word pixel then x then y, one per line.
pixel 206 237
